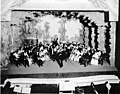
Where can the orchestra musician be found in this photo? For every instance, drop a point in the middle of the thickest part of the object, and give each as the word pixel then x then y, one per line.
pixel 59 52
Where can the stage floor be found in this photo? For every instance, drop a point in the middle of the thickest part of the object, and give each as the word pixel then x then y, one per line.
pixel 53 67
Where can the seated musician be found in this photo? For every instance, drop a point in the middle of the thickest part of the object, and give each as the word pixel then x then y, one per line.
pixel 95 58
pixel 102 58
pixel 37 59
pixel 77 55
pixel 14 58
pixel 44 55
pixel 72 55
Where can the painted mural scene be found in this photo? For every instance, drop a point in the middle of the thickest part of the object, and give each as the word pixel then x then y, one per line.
pixel 59 36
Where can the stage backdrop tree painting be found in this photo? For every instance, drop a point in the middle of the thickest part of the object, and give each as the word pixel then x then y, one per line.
pixel 62 29
pixel 44 25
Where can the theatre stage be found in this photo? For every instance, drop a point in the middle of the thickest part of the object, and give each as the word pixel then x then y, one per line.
pixel 52 70
pixel 53 67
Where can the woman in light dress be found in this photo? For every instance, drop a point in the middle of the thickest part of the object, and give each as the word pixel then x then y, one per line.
pixel 95 58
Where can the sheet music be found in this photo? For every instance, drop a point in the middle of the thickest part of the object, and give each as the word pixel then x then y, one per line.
pixel 26 90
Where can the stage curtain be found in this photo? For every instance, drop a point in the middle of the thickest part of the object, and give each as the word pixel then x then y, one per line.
pixel 110 5
pixel 7 5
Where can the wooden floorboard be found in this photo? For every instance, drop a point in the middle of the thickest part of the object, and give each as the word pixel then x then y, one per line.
pixel 52 70
pixel 53 67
